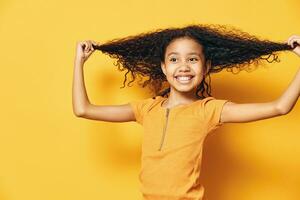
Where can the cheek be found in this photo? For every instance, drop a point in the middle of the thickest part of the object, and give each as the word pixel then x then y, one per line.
pixel 199 78
pixel 169 71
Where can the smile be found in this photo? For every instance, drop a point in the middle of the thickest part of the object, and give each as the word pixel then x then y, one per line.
pixel 184 79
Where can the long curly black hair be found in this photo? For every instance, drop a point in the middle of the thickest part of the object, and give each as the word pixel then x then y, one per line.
pixel 224 46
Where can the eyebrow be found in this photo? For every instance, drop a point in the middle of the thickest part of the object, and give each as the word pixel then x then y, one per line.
pixel 195 53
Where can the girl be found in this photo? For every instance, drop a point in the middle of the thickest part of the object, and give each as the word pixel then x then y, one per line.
pixel 177 119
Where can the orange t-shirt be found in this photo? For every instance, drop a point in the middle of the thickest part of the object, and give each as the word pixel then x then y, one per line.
pixel 172 146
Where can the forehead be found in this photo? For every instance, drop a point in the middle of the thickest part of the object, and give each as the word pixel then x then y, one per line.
pixel 185 46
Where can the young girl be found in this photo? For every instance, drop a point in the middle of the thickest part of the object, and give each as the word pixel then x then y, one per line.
pixel 177 120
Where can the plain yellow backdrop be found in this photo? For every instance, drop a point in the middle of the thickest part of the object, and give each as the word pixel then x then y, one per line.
pixel 47 153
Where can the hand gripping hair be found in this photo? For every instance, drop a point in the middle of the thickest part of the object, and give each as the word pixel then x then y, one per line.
pixel 224 47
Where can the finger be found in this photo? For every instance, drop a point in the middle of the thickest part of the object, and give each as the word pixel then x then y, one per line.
pixel 91 46
pixel 85 46
pixel 291 42
pixel 82 44
pixel 291 38
pixel 288 40
pixel 95 43
pixel 88 46
pixel 295 42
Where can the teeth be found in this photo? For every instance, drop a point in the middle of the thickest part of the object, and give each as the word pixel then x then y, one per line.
pixel 184 78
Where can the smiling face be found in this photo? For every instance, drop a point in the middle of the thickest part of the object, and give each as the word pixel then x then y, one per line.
pixel 184 65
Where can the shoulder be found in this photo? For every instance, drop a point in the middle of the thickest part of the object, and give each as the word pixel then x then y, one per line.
pixel 212 111
pixel 142 106
pixel 146 102
pixel 212 101
pixel 213 105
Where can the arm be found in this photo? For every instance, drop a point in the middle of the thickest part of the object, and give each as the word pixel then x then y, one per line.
pixel 81 104
pixel 233 112
pixel 290 96
pixel 79 97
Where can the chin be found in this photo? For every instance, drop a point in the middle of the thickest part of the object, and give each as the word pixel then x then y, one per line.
pixel 185 88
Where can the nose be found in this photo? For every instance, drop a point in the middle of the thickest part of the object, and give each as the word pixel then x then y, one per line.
pixel 184 68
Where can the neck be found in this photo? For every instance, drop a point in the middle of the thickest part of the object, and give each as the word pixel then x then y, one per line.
pixel 177 98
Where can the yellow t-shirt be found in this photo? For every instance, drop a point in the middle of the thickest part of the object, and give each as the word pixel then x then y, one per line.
pixel 172 146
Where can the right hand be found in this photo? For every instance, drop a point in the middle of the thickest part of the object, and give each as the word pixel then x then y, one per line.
pixel 294 42
pixel 84 49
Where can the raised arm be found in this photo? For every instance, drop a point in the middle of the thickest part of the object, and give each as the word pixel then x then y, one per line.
pixel 233 112
pixel 81 104
pixel 79 97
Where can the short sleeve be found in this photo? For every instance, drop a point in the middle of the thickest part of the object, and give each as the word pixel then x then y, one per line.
pixel 212 112
pixel 139 108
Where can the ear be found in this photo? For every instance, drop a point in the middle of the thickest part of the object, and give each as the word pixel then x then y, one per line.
pixel 163 67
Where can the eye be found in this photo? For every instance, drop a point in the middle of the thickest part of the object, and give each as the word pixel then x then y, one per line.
pixel 171 59
pixel 194 58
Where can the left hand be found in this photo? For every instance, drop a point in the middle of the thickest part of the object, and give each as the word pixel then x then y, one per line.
pixel 292 40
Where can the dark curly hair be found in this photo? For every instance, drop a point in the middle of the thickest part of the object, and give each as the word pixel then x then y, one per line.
pixel 224 46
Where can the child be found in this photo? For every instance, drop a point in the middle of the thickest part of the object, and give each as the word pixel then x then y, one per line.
pixel 176 126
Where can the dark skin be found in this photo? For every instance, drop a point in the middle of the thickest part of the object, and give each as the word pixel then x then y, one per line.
pixel 183 56
pixel 232 112
pixel 183 93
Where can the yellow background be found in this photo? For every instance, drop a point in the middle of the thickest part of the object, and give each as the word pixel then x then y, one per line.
pixel 47 153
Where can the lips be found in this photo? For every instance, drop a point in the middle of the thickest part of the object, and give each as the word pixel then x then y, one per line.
pixel 184 77
pixel 185 80
pixel 190 76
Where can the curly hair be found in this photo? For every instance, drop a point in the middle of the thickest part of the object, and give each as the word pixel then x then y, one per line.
pixel 224 46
